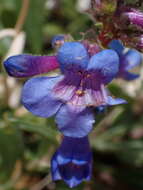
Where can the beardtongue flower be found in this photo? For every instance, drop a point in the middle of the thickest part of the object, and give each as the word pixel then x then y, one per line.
pixel 129 58
pixel 72 96
pixel 72 162
pixel 25 65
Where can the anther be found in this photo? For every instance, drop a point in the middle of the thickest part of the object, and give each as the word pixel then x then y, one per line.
pixel 80 92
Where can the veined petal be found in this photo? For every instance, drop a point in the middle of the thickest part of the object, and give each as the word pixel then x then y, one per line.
pixel 74 124
pixel 28 65
pixel 72 53
pixel 117 46
pixel 133 58
pixel 38 98
pixel 105 65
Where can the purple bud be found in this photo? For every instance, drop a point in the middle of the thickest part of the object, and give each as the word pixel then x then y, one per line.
pixel 25 65
pixel 135 17
pixel 60 39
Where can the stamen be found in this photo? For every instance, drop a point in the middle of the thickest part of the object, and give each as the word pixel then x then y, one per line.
pixel 88 76
pixel 80 92
pixel 79 72
pixel 104 93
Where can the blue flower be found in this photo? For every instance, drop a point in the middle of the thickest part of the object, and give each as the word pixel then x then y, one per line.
pixel 72 95
pixel 73 161
pixel 128 60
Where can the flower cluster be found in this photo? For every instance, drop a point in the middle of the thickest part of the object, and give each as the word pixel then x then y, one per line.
pixel 73 95
pixel 127 21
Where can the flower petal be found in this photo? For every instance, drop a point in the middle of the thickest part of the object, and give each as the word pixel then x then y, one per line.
pixel 74 124
pixel 73 175
pixel 130 76
pixel 55 169
pixel 79 155
pixel 72 53
pixel 28 65
pixel 115 101
pixel 105 64
pixel 133 58
pixel 38 98
pixel 68 174
pixel 75 163
pixel 117 46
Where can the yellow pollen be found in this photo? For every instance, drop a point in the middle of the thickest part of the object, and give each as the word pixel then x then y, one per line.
pixel 80 92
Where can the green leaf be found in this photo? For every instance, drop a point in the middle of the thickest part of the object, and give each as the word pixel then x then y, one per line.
pixel 34 23
pixel 11 148
pixel 37 125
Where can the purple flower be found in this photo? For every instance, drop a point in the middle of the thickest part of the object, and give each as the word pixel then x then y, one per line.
pixel 28 65
pixel 73 161
pixel 72 96
pixel 129 58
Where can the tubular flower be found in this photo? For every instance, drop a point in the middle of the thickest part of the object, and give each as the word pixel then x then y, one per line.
pixel 129 58
pixel 28 65
pixel 72 162
pixel 72 96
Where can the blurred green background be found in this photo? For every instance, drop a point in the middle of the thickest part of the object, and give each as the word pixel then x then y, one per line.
pixel 28 142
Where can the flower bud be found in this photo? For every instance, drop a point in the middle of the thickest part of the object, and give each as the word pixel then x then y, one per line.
pixel 60 39
pixel 135 17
